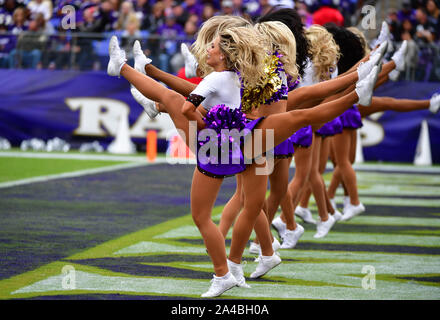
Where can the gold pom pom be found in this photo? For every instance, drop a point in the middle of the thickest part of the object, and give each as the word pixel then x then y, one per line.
pixel 254 97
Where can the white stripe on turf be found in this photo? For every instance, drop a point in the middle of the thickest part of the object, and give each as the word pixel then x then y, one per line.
pixel 73 174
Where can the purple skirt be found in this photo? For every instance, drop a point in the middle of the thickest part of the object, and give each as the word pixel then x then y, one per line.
pixel 351 119
pixel 330 128
pixel 284 150
pixel 303 137
pixel 232 161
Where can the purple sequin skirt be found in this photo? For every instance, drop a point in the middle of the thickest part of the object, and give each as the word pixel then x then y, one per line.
pixel 226 161
pixel 284 150
pixel 351 119
pixel 330 128
pixel 303 137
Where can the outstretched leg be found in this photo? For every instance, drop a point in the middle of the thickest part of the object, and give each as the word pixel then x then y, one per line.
pixel 380 104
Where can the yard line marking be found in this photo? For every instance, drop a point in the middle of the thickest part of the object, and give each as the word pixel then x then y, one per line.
pixel 74 174
pixel 72 156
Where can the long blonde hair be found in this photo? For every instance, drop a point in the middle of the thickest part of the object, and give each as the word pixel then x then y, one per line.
pixel 207 34
pixel 245 52
pixel 323 50
pixel 280 38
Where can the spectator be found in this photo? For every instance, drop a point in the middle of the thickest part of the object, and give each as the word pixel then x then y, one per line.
pixel 7 44
pixel 264 7
pixel 125 11
pixel 84 51
pixel 238 8
pixel 143 10
pixel 30 45
pixel 6 12
pixel 190 30
pixel 407 12
pixel 130 35
pixel 44 25
pixel 408 28
pixel 180 13
pixel 282 3
pixel 227 7
pixel 105 16
pixel 169 31
pixel 425 29
pixel 40 6
pixel 192 7
pixel 306 16
pixel 20 22
pixel 156 19
pixel 432 7
pixel 328 14
pixel 208 12
pixel 395 25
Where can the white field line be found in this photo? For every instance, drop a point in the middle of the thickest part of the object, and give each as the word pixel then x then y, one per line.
pixel 73 174
pixel 106 157
pixel 70 156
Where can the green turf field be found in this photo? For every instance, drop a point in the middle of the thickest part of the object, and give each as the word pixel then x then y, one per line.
pixel 392 251
pixel 12 168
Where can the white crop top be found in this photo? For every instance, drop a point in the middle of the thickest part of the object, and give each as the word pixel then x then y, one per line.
pixel 217 88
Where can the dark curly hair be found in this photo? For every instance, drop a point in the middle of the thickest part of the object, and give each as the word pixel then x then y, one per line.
pixel 292 20
pixel 350 46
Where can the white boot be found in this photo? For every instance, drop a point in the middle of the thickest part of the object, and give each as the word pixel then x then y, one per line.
pixel 351 211
pixel 399 56
pixel 237 272
pixel 291 237
pixel 140 60
pixel 148 105
pixel 305 214
pixel 190 62
pixel 364 88
pixel 117 57
pixel 323 227
pixel 220 285
pixel 265 264
pixel 434 103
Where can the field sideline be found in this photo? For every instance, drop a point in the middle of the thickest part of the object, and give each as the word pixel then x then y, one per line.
pixel 95 227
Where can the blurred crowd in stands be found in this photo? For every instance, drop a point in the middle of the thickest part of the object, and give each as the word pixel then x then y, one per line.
pixel 73 34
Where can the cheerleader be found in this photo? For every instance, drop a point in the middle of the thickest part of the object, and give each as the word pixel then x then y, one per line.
pixel 324 53
pixel 236 48
pixel 344 145
pixel 280 36
pixel 206 33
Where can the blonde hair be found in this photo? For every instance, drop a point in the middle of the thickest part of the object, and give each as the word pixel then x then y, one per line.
pixel 361 36
pixel 280 38
pixel 207 34
pixel 245 52
pixel 323 50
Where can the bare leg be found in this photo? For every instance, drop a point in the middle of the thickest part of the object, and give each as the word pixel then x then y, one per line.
pixel 169 100
pixel 180 85
pixel 204 192
pixel 254 187
pixel 320 91
pixel 341 144
pixel 303 165
pixel 289 122
pixel 380 104
pixel 316 182
pixel 278 187
pixel 287 208
pixel 232 208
